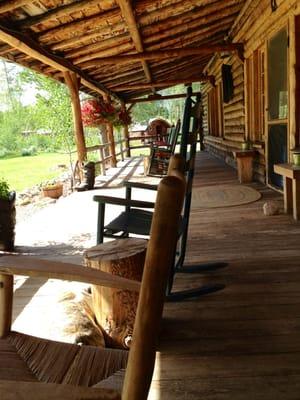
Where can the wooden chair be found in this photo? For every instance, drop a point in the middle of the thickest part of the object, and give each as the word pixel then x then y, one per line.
pixel 161 153
pixel 34 368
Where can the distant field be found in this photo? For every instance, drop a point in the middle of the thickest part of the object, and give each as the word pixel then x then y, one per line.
pixel 25 172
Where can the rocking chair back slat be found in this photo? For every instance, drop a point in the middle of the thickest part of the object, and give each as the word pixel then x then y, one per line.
pixel 158 263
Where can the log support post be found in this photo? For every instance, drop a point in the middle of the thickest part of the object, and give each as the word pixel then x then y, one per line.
pixel 72 82
pixel 6 300
pixel 126 134
pixel 110 134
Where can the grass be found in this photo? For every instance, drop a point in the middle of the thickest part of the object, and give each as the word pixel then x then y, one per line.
pixel 25 172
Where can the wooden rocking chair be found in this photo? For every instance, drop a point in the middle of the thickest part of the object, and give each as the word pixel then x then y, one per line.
pixel 34 368
pixel 161 153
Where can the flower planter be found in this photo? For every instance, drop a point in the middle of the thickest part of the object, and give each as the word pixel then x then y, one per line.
pixel 7 223
pixel 54 192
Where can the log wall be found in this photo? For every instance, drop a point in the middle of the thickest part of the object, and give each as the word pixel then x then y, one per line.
pixel 254 26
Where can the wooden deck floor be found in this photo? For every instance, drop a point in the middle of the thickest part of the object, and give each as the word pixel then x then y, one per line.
pixel 242 342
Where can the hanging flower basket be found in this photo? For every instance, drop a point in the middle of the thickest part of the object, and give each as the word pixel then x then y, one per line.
pixel 95 113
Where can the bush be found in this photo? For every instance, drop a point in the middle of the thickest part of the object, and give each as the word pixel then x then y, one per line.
pixel 4 190
pixel 3 153
pixel 30 151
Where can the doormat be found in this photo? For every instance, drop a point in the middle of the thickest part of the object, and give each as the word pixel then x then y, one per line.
pixel 224 196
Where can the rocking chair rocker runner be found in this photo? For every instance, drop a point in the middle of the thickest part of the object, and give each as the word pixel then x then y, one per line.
pixel 33 368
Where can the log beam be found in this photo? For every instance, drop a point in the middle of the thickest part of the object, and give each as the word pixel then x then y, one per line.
pixel 171 82
pixel 10 5
pixel 158 97
pixel 72 82
pixel 32 49
pixel 166 53
pixel 57 12
pixel 128 14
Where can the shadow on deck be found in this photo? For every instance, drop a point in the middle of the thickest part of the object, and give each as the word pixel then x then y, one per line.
pixel 242 342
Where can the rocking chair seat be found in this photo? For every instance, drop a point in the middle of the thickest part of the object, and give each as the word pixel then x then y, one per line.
pixel 134 221
pixel 28 358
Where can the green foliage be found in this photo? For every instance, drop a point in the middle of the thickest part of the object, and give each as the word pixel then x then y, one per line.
pixel 142 112
pixel 30 151
pixel 45 125
pixel 52 112
pixel 4 190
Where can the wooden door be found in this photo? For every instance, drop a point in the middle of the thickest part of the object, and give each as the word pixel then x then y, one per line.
pixel 277 108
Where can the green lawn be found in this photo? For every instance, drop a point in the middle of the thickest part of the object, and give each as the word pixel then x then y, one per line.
pixel 25 172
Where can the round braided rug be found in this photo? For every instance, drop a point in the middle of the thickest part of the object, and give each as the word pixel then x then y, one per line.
pixel 224 196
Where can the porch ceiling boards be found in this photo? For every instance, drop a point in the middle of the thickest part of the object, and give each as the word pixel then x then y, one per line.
pixel 79 34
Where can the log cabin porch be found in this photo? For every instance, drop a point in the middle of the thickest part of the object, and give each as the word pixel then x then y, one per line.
pixel 241 342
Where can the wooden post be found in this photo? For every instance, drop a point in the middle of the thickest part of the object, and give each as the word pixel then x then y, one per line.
pixel 126 134
pixel 110 134
pixel 112 145
pixel 6 301
pixel 115 309
pixel 72 82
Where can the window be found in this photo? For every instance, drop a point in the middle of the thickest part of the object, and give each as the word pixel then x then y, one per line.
pixel 215 111
pixel 255 82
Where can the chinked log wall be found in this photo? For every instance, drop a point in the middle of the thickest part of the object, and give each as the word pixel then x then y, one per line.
pixel 233 112
pixel 254 27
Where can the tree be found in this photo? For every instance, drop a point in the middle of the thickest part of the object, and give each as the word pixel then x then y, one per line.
pixel 52 111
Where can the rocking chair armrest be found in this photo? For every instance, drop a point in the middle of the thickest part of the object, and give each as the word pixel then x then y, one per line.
pixel 123 202
pixel 141 185
pixel 31 266
pixel 20 390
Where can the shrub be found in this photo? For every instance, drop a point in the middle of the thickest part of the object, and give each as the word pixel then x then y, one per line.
pixel 30 151
pixel 4 190
pixel 3 153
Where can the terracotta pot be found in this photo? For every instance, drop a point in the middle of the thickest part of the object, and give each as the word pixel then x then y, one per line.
pixel 53 192
pixel 7 223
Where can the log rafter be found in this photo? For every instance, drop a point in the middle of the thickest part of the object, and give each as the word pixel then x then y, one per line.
pixel 166 53
pixel 57 12
pixel 158 97
pixel 10 5
pixel 27 45
pixel 162 84
pixel 128 14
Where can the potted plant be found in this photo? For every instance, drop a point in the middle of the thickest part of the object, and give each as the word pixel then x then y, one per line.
pixel 7 217
pixel 52 189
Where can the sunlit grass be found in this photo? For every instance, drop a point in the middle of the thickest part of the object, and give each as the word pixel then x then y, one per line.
pixel 25 172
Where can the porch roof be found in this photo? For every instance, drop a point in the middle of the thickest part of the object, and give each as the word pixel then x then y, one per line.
pixel 147 42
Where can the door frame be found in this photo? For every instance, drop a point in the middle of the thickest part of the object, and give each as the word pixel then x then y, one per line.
pixel 285 26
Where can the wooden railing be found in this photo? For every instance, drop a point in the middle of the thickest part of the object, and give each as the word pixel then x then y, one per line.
pixel 103 151
pixel 145 140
